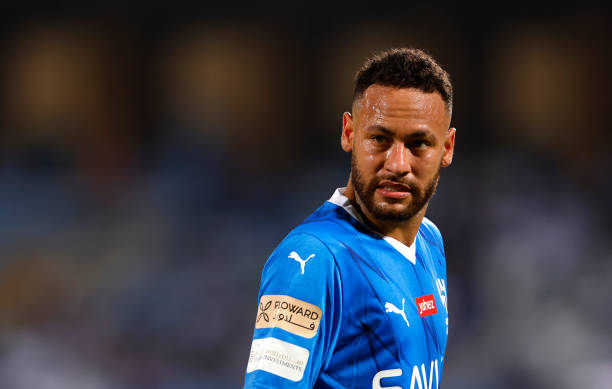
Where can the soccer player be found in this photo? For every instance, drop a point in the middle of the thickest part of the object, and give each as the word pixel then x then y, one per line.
pixel 355 296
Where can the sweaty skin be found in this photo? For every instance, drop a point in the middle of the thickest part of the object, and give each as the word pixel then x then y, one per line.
pixel 399 139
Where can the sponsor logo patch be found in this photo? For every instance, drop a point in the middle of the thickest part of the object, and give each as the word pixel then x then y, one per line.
pixel 426 305
pixel 278 357
pixel 290 314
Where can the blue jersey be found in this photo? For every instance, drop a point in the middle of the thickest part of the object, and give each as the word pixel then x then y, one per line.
pixel 341 306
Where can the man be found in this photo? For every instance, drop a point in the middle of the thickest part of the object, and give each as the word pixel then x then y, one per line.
pixel 355 296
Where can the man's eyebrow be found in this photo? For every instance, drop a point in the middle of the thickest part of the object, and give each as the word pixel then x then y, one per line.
pixel 419 134
pixel 380 128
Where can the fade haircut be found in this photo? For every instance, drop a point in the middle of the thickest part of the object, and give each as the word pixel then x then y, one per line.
pixel 404 68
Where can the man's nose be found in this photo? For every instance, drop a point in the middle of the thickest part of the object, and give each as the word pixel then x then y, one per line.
pixel 398 159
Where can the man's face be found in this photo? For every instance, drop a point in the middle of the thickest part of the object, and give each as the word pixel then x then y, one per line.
pixel 399 139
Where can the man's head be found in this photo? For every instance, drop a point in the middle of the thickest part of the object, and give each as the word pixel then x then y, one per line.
pixel 399 135
pixel 404 68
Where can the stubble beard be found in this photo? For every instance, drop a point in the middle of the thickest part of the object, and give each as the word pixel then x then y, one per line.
pixel 364 192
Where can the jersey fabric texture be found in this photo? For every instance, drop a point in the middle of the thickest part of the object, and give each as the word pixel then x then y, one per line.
pixel 341 306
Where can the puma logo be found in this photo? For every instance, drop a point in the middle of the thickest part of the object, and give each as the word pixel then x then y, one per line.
pixel 302 262
pixel 392 308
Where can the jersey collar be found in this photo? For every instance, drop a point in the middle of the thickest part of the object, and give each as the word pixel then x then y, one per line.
pixel 339 199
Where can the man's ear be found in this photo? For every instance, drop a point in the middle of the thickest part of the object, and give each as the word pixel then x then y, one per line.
pixel 347 132
pixel 449 147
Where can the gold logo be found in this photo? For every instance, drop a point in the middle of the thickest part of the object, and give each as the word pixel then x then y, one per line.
pixel 290 314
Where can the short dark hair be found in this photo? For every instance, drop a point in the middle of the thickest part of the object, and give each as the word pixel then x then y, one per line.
pixel 404 68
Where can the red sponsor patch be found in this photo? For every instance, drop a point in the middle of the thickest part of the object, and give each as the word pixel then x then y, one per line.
pixel 426 305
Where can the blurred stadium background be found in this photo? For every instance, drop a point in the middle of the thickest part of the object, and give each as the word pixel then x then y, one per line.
pixel 151 157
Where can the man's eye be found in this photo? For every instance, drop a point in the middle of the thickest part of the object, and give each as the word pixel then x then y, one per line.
pixel 420 144
pixel 379 138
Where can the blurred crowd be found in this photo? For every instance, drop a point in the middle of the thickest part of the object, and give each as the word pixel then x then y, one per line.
pixel 149 167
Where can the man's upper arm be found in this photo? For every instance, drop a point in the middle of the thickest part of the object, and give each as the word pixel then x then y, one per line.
pixel 298 315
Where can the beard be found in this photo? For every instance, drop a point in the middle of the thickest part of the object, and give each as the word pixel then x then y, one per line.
pixel 364 191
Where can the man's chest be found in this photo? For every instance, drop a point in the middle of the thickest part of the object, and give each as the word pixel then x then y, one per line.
pixel 400 307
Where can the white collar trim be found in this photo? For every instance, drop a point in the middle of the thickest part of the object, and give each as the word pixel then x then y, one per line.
pixel 339 199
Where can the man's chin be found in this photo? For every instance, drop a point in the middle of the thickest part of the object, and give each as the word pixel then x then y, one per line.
pixel 391 212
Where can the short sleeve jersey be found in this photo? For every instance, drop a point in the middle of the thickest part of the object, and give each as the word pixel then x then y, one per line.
pixel 341 306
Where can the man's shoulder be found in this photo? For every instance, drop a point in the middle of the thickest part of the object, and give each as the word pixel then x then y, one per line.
pixel 324 230
pixel 310 248
pixel 430 227
pixel 329 224
pixel 431 234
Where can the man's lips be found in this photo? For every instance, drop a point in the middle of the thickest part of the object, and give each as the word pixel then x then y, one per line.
pixel 393 189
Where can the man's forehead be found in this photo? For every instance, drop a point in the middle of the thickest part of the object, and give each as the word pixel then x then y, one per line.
pixel 380 102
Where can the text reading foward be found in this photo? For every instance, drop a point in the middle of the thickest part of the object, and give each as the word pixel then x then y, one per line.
pixel 290 314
